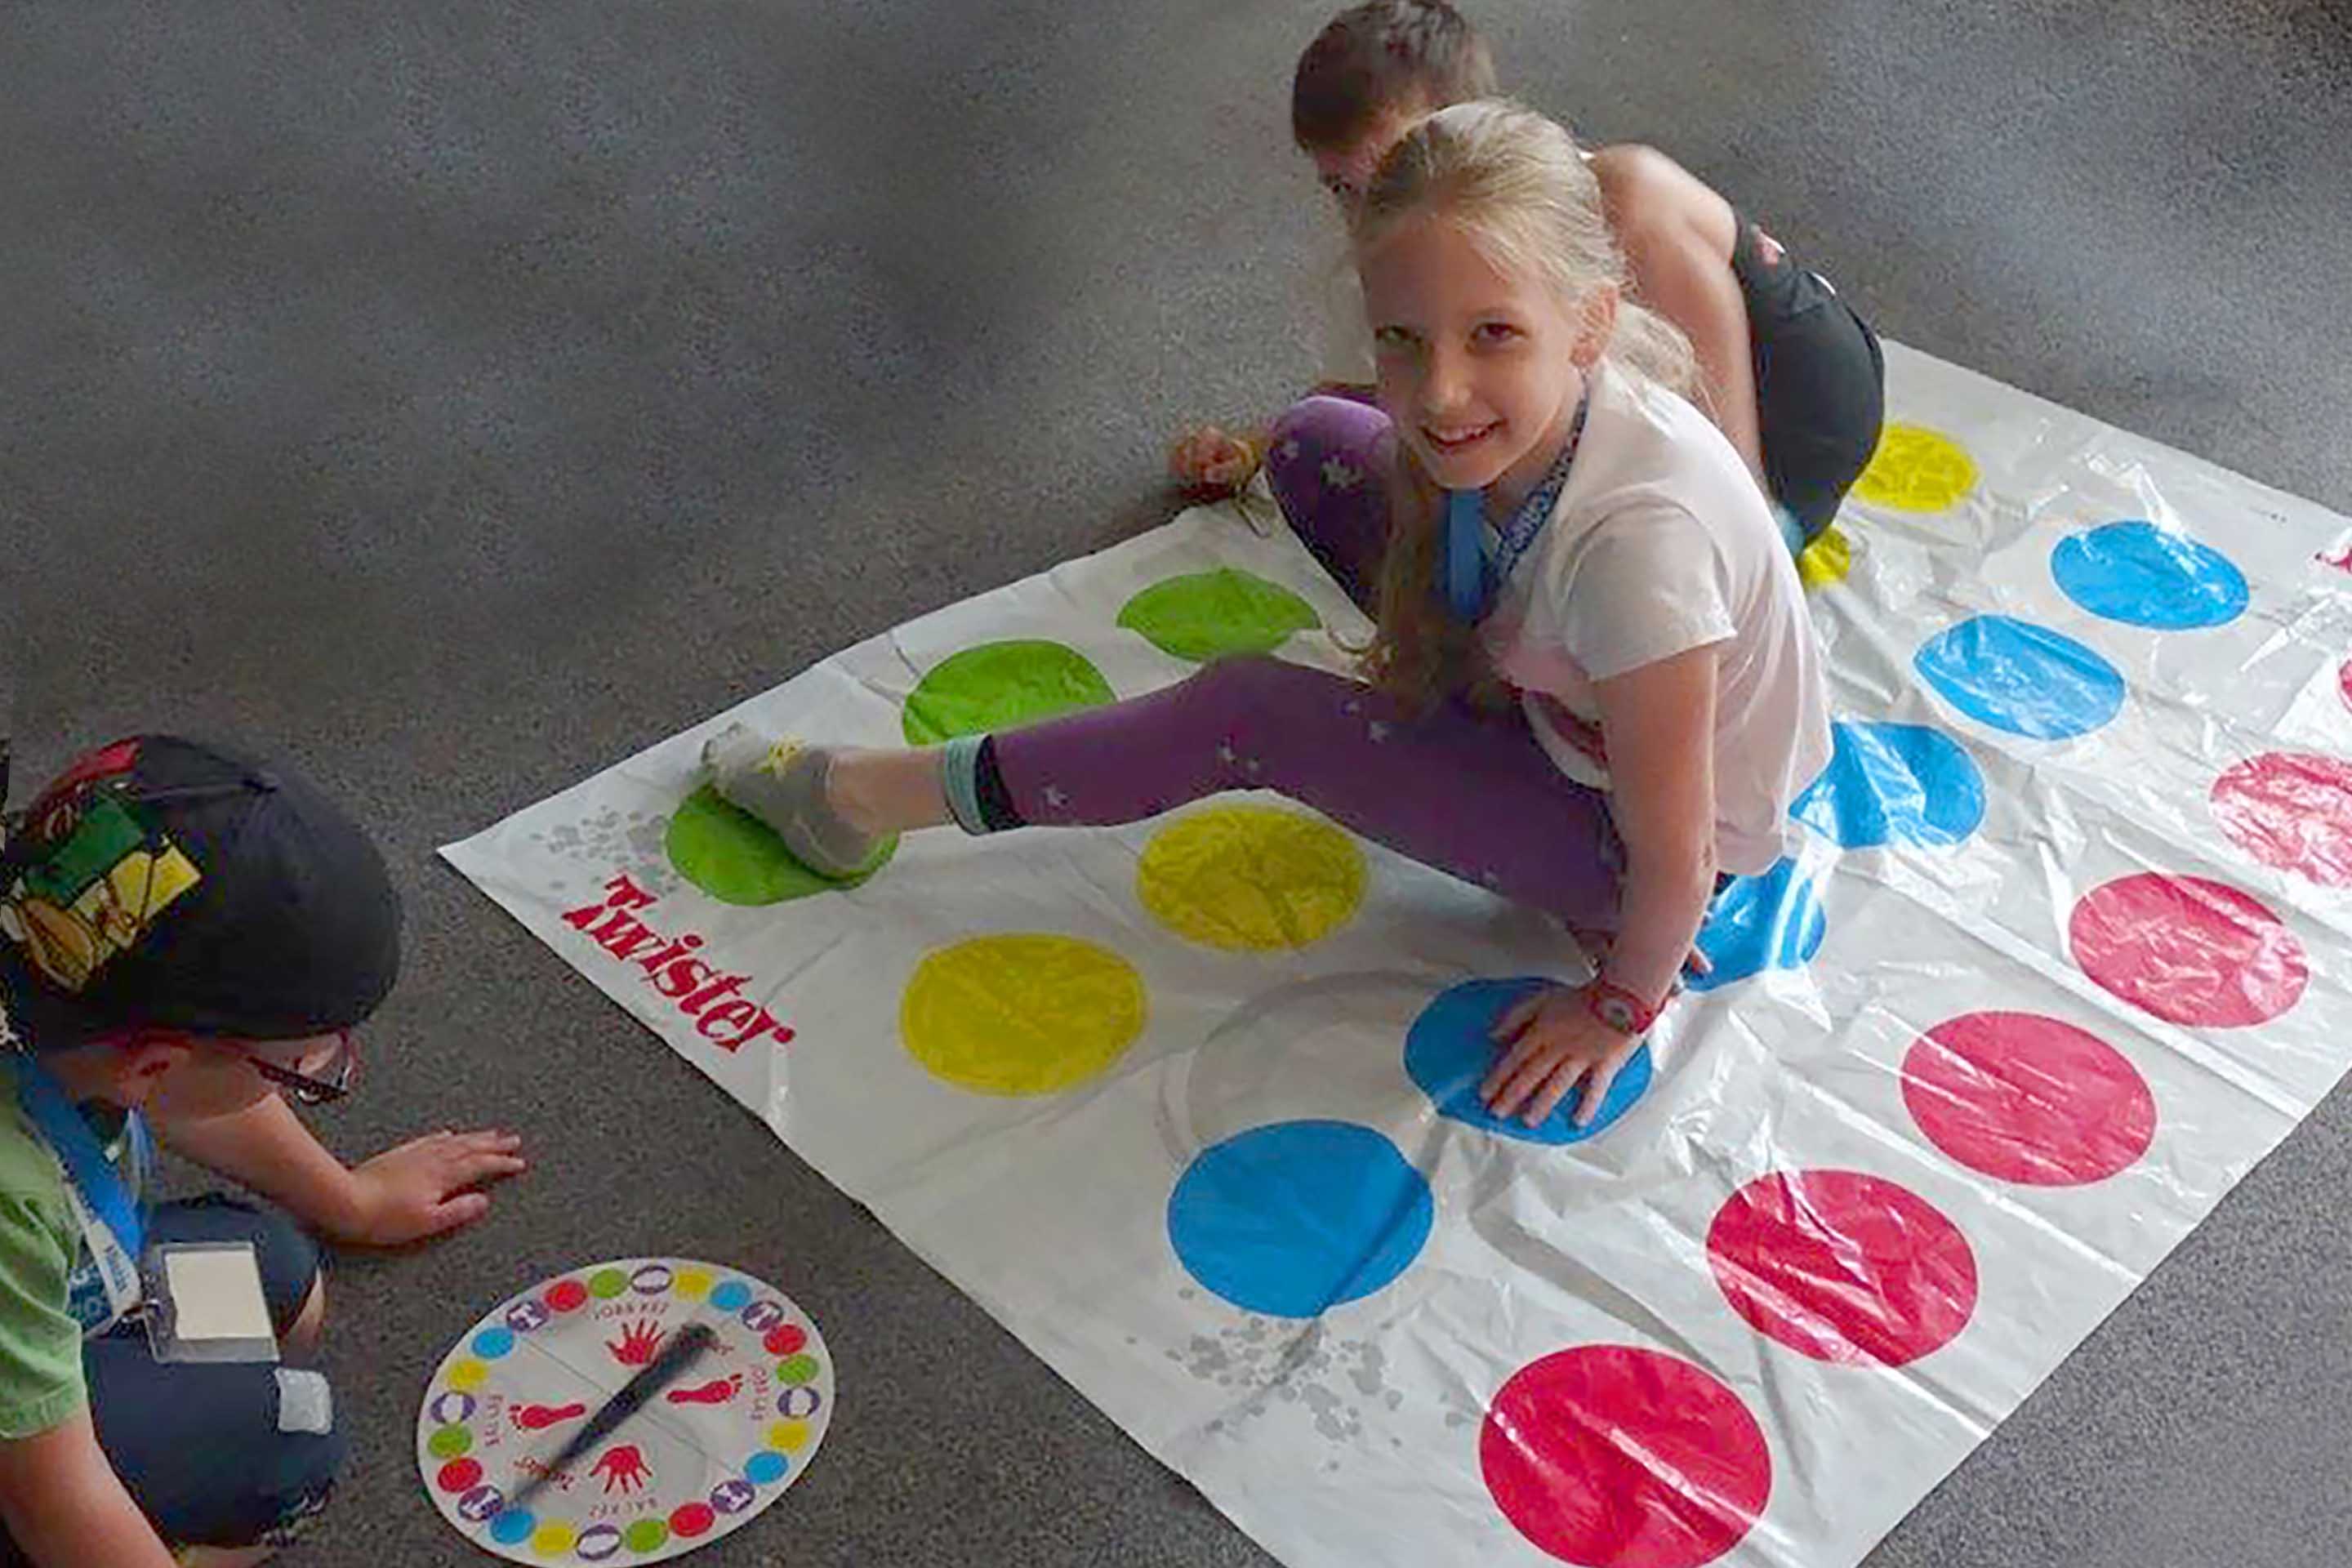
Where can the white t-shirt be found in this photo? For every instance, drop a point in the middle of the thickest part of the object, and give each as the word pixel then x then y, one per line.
pixel 1661 542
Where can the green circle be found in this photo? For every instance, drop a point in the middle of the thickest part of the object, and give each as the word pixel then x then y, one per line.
pixel 795 1370
pixel 737 859
pixel 1221 614
pixel 450 1443
pixel 645 1534
pixel 1000 686
pixel 607 1283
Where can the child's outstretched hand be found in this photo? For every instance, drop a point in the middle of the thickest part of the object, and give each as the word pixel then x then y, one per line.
pixel 426 1186
pixel 1553 1043
pixel 1211 461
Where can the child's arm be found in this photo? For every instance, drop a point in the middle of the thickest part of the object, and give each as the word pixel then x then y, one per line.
pixel 419 1189
pixel 66 1508
pixel 1678 235
pixel 1660 722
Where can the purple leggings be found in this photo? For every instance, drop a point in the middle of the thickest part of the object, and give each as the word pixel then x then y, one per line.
pixel 1467 792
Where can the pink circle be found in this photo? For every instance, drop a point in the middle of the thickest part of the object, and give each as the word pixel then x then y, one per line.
pixel 1842 1267
pixel 459 1476
pixel 2188 949
pixel 1618 1457
pixel 2344 682
pixel 2027 1099
pixel 2290 810
pixel 692 1518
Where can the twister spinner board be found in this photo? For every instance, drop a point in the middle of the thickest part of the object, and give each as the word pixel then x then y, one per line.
pixel 700 1461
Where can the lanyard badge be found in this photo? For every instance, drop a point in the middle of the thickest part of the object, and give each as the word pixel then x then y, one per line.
pixel 200 1300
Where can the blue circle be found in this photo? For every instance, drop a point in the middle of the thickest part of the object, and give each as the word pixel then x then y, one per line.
pixel 1451 1048
pixel 492 1343
pixel 1890 782
pixel 730 1296
pixel 1771 921
pixel 1296 1217
pixel 766 1468
pixel 2144 575
pixel 513 1527
pixel 2018 677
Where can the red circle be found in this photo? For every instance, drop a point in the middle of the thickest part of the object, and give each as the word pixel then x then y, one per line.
pixel 1619 1458
pixel 2027 1099
pixel 2344 682
pixel 692 1518
pixel 1842 1267
pixel 2188 949
pixel 786 1340
pixel 459 1476
pixel 2290 810
pixel 567 1295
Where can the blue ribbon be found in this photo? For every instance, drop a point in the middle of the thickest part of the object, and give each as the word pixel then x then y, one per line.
pixel 1472 580
pixel 1466 554
pixel 101 1186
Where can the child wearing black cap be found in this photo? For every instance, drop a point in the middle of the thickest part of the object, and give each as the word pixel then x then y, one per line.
pixel 189 937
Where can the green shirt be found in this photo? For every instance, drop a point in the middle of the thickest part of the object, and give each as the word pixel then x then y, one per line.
pixel 40 1243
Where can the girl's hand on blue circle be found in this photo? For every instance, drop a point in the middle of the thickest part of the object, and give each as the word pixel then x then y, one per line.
pixel 1553 1043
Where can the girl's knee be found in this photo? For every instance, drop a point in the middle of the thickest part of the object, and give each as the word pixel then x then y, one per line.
pixel 1316 429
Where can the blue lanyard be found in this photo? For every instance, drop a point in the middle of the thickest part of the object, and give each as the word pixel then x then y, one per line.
pixel 1472 579
pixel 94 1178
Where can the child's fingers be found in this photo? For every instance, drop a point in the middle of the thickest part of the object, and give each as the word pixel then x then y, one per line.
pixel 1596 1088
pixel 1521 1075
pixel 1515 1022
pixel 1502 1071
pixel 465 1168
pixel 496 1142
pixel 463 1209
pixel 1530 1095
pixel 1563 1080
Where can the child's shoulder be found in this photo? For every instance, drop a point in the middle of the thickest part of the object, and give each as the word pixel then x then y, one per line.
pixel 29 1174
pixel 1641 433
pixel 1643 191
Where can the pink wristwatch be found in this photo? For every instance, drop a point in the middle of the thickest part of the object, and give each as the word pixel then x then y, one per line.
pixel 1620 1008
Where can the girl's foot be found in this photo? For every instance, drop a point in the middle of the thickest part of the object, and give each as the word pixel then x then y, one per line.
pixel 786 785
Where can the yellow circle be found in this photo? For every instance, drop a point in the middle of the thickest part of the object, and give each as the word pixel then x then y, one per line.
pixel 1826 560
pixel 1252 879
pixel 1916 469
pixel 553 1539
pixel 791 1437
pixel 468 1375
pixel 693 1284
pixel 1020 1015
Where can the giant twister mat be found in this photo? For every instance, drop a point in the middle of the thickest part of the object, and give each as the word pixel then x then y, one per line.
pixel 1190 1106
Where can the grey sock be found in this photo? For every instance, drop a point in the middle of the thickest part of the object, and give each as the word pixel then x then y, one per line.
pixel 782 783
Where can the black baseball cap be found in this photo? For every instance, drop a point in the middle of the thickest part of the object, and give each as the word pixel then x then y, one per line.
pixel 178 884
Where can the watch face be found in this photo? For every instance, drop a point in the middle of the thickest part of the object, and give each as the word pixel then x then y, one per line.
pixel 1618 1014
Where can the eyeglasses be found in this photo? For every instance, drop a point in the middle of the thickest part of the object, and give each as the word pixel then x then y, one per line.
pixel 329 1083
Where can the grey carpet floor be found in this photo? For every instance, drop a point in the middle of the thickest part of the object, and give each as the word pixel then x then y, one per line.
pixel 463 395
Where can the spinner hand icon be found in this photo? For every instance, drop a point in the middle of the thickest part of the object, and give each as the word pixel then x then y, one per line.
pixel 622 1468
pixel 637 1344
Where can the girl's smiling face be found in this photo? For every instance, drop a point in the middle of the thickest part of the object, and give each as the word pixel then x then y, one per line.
pixel 1482 370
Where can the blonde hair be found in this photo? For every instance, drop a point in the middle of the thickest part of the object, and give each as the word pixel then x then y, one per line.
pixel 1515 185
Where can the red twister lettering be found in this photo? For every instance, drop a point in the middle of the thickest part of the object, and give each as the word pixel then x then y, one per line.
pixel 704 993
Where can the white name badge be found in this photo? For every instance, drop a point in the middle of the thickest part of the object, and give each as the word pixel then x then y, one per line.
pixel 205 1303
